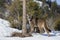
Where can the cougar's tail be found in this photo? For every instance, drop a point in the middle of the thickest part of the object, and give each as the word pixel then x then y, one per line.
pixel 46 26
pixel 47 29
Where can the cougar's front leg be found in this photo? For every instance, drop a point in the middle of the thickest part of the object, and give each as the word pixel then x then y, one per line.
pixel 31 29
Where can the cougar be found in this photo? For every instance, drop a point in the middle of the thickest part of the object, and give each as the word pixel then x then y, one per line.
pixel 40 23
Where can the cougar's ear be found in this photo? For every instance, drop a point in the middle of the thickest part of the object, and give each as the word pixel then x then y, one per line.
pixel 31 17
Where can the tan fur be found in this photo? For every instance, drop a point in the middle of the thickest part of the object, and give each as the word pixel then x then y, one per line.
pixel 32 26
pixel 41 24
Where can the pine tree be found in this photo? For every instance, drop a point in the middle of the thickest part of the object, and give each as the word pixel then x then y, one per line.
pixel 15 13
pixel 53 8
pixel 2 2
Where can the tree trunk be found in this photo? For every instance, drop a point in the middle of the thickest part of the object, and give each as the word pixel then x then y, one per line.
pixel 24 31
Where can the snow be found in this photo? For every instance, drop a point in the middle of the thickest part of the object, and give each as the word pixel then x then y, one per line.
pixel 35 37
pixel 6 31
pixel 40 2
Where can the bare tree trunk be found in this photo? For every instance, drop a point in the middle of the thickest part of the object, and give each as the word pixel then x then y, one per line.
pixel 24 18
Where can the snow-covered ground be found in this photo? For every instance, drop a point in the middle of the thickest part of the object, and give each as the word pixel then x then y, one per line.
pixel 5 31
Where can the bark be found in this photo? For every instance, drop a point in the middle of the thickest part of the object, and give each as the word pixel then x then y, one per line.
pixel 24 31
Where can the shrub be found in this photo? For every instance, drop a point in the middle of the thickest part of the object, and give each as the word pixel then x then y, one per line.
pixel 15 23
pixel 57 25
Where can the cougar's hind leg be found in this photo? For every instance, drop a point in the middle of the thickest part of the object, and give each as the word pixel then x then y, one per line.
pixel 41 30
pixel 39 27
